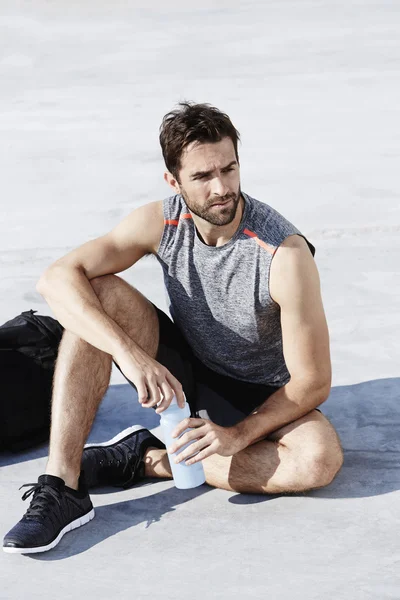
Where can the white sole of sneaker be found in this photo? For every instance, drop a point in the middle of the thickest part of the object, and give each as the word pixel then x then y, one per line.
pixel 73 525
pixel 118 437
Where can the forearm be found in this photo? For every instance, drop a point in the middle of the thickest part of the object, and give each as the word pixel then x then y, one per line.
pixel 76 306
pixel 289 403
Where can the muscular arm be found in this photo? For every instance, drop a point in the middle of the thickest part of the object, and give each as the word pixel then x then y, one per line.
pixel 295 286
pixel 66 283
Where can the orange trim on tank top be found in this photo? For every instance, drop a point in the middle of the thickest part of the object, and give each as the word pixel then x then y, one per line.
pixel 267 247
pixel 176 221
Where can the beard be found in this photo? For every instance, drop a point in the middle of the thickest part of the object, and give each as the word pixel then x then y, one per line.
pixel 218 216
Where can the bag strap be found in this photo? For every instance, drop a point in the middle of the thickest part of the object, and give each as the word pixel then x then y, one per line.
pixel 29 315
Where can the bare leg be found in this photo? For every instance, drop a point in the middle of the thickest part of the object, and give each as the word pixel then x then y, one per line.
pixel 83 372
pixel 157 464
pixel 301 456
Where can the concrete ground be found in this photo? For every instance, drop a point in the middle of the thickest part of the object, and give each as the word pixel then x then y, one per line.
pixel 313 87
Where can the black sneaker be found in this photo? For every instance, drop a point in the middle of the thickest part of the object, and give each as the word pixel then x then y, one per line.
pixel 120 461
pixel 54 510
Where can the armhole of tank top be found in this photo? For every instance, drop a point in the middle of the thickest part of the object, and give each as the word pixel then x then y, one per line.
pixel 275 303
pixel 164 238
pixel 309 244
pixel 297 232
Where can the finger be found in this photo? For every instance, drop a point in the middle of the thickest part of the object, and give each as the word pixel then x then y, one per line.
pixel 209 451
pixel 168 394
pixel 186 438
pixel 154 394
pixel 177 388
pixel 141 390
pixel 192 449
pixel 186 423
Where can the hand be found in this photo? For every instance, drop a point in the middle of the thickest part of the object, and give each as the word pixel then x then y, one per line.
pixel 212 439
pixel 154 383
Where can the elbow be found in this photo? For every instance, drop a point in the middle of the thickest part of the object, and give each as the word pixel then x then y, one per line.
pixel 323 389
pixel 55 275
pixel 323 394
pixel 322 382
pixel 316 389
pixel 41 285
pixel 46 280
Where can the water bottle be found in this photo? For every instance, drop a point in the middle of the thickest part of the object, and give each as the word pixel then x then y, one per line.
pixel 185 476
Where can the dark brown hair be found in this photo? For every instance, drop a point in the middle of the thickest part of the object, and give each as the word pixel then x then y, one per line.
pixel 193 123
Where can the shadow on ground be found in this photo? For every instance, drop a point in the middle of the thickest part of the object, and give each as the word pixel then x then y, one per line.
pixel 366 416
pixel 111 519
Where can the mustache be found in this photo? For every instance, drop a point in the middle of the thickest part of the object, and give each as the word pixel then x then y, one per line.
pixel 221 200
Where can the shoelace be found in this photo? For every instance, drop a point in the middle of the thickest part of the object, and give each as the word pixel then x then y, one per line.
pixel 116 462
pixel 41 493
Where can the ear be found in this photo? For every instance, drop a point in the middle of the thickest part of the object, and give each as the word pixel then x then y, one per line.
pixel 170 179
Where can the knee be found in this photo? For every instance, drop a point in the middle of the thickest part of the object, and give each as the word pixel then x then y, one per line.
pixel 113 293
pixel 321 465
pixel 104 283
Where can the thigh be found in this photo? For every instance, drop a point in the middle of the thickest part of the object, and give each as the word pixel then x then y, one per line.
pixel 172 352
pixel 175 354
pixel 130 309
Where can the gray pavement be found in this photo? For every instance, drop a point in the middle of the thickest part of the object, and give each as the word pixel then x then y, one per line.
pixel 314 89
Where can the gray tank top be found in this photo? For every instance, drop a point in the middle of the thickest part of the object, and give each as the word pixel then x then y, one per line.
pixel 219 296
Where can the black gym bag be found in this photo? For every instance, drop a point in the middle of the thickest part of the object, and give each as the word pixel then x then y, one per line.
pixel 28 350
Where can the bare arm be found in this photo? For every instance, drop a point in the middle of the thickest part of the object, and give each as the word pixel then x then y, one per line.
pixel 295 286
pixel 66 283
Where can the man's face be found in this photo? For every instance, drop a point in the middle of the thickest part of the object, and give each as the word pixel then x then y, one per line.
pixel 210 181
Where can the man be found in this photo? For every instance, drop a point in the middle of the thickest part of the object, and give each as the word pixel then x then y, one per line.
pixel 248 346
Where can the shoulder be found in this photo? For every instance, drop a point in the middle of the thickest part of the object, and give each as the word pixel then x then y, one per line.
pixel 292 253
pixel 148 214
pixel 293 270
pixel 152 209
pixel 161 209
pixel 143 226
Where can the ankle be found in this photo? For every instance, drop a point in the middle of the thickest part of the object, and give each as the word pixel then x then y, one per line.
pixel 157 464
pixel 69 475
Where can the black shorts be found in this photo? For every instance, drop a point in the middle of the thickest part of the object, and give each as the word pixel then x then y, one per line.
pixel 224 400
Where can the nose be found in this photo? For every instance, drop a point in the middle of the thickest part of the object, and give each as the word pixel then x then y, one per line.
pixel 218 187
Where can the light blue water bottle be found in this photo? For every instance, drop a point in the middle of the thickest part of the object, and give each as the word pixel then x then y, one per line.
pixel 185 476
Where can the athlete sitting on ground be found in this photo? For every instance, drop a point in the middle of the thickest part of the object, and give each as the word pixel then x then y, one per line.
pixel 248 344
